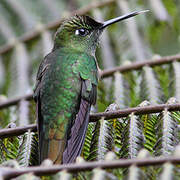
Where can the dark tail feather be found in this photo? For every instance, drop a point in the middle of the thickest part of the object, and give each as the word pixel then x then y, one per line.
pixel 78 133
pixel 39 123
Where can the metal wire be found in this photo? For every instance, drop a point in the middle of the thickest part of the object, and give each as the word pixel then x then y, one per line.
pixel 95 117
pixel 121 163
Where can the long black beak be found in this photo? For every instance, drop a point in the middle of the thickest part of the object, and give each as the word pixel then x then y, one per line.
pixel 120 18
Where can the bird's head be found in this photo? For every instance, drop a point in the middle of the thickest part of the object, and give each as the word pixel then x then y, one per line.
pixel 81 33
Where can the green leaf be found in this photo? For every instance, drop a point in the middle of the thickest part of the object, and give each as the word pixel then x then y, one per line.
pixel 28 150
pixel 102 140
pixel 9 148
pixel 167 133
pixel 149 123
pixel 150 88
pixel 87 144
pixel 132 137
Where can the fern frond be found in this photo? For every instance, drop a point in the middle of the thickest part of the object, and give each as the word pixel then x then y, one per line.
pixel 99 174
pixel 2 73
pixel 176 168
pixel 124 152
pixel 149 122
pixel 32 112
pixel 4 114
pixel 10 163
pixel 102 140
pixel 29 176
pixel 147 172
pixel 62 175
pixel 132 88
pixel 103 137
pixel 102 101
pixel 20 68
pixel 119 90
pixel 86 175
pixel 135 136
pixel 118 125
pixel 28 154
pixel 34 157
pixel 132 137
pixel 164 78
pixel 167 133
pixel 9 148
pixel 47 42
pixel 87 144
pixel 168 171
pixel 134 173
pixel 176 67
pixel 150 88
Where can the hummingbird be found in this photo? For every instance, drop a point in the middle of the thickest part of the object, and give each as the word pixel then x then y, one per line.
pixel 66 87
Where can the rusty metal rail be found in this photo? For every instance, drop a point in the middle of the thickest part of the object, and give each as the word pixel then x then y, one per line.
pixel 94 117
pixel 8 173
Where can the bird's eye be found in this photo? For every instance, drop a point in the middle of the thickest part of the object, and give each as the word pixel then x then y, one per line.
pixel 81 32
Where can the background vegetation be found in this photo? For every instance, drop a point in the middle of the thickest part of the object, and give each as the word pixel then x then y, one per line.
pixel 26 36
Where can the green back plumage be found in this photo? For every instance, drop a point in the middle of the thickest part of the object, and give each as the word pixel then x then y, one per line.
pixel 68 69
pixel 60 95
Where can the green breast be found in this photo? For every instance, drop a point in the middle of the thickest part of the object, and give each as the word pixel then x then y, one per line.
pixel 61 88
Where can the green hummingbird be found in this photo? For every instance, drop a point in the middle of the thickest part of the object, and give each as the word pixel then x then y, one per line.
pixel 66 87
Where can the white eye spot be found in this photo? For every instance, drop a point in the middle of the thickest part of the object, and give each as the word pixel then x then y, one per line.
pixel 77 32
pixel 81 32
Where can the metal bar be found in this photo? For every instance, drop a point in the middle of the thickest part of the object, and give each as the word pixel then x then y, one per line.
pixel 121 163
pixel 15 101
pixel 17 131
pixel 139 65
pixel 95 117
pixel 135 110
